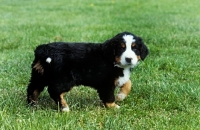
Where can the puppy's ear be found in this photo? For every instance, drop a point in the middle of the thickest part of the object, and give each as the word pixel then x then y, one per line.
pixel 108 49
pixel 142 48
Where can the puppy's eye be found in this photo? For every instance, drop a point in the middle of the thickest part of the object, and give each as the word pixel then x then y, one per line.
pixel 123 45
pixel 135 50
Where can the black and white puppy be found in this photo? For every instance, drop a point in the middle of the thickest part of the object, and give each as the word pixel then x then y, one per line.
pixel 60 66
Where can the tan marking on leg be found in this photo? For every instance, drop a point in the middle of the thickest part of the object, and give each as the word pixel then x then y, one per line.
pixel 33 98
pixel 124 91
pixel 39 67
pixel 111 105
pixel 63 103
pixel 36 94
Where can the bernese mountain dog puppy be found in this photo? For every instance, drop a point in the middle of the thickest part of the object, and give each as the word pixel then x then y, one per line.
pixel 60 66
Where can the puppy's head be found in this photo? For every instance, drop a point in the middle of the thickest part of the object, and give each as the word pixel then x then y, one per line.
pixel 126 49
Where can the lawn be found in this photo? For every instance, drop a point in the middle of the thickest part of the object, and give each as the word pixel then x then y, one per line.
pixel 166 86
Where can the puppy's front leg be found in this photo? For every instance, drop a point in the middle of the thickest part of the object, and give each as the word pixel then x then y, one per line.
pixel 124 91
pixel 63 104
pixel 108 98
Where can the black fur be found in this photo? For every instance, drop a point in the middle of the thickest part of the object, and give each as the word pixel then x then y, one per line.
pixel 76 64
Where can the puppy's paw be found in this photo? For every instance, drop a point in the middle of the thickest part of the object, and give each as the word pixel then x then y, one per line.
pixel 120 97
pixel 112 105
pixel 117 106
pixel 65 109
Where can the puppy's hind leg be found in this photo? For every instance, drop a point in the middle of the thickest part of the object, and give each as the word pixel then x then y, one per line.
pixel 36 83
pixel 34 89
pixel 58 97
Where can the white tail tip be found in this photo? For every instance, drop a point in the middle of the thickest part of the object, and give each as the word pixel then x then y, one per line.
pixel 48 60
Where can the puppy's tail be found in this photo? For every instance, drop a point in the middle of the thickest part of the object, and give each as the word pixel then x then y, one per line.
pixel 42 54
pixel 42 59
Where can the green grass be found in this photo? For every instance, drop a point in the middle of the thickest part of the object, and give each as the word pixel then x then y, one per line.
pixel 166 91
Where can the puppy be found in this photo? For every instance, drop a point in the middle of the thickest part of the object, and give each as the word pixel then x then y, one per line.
pixel 60 66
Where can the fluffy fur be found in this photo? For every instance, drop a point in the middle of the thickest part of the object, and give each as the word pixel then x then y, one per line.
pixel 60 66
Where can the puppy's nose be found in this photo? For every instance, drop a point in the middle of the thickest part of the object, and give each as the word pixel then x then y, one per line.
pixel 128 60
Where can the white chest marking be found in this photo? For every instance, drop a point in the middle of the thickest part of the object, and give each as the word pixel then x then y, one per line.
pixel 122 80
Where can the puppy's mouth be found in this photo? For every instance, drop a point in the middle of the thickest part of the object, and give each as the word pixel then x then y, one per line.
pixel 127 65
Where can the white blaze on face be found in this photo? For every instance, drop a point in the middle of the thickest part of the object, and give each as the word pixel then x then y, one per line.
pixel 129 53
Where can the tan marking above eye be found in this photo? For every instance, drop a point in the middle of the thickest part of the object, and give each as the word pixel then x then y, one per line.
pixel 133 44
pixel 123 45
